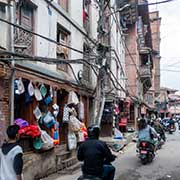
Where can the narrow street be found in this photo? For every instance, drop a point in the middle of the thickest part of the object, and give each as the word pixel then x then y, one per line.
pixel 166 165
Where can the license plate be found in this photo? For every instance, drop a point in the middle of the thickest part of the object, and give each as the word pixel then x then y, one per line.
pixel 143 152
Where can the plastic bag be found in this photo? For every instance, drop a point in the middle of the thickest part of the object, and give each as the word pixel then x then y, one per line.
pixel 20 86
pixel 37 113
pixel 48 118
pixel 81 137
pixel 81 110
pixel 30 89
pixel 72 98
pixel 74 124
pixel 117 134
pixel 48 142
pixel 72 141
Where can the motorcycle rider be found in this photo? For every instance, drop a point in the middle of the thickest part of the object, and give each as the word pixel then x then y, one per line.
pixel 96 156
pixel 146 133
pixel 171 121
pixel 159 129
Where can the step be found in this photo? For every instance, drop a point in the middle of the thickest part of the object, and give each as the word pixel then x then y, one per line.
pixel 69 162
pixel 64 153
pixel 71 169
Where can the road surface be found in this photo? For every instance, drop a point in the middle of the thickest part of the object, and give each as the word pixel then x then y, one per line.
pixel 165 166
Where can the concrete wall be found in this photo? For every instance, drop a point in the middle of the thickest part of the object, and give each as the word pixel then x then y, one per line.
pixel 132 61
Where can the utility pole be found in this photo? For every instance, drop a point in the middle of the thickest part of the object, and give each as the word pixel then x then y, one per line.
pixel 102 50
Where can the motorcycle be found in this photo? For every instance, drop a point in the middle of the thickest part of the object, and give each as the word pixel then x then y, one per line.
pixel 171 128
pixel 146 152
pixel 92 177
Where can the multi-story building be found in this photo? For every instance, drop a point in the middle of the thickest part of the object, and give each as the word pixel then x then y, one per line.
pixel 154 91
pixel 138 58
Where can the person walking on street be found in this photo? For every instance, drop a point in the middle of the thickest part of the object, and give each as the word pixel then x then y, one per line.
pixel 11 162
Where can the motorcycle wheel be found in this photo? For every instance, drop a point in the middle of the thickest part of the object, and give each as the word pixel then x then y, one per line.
pixel 144 161
pixel 150 158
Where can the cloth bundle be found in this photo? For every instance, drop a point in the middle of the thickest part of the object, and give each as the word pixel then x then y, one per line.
pixel 31 130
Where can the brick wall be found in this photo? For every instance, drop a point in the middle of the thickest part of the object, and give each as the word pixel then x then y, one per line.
pixel 4 100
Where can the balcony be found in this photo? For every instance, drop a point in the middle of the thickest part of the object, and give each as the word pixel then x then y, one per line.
pixel 145 72
pixel 23 42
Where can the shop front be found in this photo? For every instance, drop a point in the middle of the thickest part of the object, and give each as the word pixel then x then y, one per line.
pixel 52 115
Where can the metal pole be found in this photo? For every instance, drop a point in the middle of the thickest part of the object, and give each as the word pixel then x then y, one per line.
pixel 11 12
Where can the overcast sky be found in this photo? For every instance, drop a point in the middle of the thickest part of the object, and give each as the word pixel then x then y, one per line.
pixel 170 42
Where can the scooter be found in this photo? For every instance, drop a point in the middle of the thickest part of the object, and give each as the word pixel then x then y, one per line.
pixel 146 152
pixel 171 128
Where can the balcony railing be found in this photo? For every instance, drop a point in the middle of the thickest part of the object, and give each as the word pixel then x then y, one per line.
pixel 23 42
pixel 145 72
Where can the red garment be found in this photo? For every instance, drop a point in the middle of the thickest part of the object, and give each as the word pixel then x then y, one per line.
pixel 31 130
pixel 123 122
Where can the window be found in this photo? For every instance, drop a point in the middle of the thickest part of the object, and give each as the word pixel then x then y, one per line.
pixel 86 67
pixel 23 41
pixel 63 4
pixel 62 52
pixel 3 27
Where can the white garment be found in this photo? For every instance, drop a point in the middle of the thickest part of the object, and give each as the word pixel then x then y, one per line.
pixel 6 163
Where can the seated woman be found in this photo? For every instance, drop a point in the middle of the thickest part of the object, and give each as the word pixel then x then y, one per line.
pixel 146 133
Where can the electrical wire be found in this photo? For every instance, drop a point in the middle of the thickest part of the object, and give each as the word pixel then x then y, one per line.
pixel 43 37
pixel 46 60
pixel 156 3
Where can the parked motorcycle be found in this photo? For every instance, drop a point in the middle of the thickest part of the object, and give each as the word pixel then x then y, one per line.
pixel 146 152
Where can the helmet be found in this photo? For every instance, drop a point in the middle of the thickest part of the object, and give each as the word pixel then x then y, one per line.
pixel 93 131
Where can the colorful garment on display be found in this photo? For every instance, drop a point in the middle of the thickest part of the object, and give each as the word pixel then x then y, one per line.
pixel 31 130
pixel 30 89
pixel 21 122
pixel 66 113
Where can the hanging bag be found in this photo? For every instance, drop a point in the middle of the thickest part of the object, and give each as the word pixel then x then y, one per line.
pixel 66 111
pixel 72 141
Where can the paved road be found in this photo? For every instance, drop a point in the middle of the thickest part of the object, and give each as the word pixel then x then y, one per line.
pixel 166 165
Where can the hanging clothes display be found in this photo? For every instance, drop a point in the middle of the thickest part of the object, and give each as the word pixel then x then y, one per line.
pixel 30 89
pixel 20 86
pixel 43 90
pixel 37 94
pixel 66 111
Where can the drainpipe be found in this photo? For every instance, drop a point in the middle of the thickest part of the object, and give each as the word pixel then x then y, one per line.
pixel 11 13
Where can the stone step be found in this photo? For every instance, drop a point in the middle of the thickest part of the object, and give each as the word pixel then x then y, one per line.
pixel 71 169
pixel 69 162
